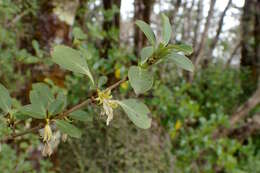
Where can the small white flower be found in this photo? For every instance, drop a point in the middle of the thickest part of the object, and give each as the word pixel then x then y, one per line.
pixel 47 150
pixel 104 97
pixel 64 137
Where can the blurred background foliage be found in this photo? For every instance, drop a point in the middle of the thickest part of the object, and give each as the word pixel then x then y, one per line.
pixel 187 109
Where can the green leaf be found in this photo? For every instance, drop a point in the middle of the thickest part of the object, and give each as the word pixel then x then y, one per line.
pixel 186 49
pixel 167 30
pixel 33 110
pixel 68 128
pixel 71 59
pixel 140 79
pixel 147 30
pixel 5 99
pixel 63 97
pixel 78 33
pixel 137 112
pixel 41 95
pixel 102 81
pixel 81 116
pixel 146 52
pixel 181 61
pixel 56 107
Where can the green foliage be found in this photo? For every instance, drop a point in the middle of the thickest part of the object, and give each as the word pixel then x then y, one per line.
pixel 167 29
pixel 147 30
pixel 71 59
pixel 5 99
pixel 181 61
pixel 146 52
pixel 33 110
pixel 10 161
pixel 137 112
pixel 184 115
pixel 140 79
pixel 81 115
pixel 68 128
pixel 43 103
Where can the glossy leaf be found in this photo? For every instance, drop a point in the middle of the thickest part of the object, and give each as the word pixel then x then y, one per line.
pixel 140 79
pixel 147 30
pixel 181 61
pixel 71 59
pixel 167 30
pixel 146 52
pixel 5 99
pixel 137 112
pixel 68 128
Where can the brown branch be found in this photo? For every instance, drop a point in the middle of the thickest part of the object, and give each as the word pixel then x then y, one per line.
pixel 243 111
pixel 17 18
pixel 198 54
pixel 62 115
pixel 239 115
pixel 31 130
pixel 233 54
pixel 219 29
pixel 197 25
pixel 117 84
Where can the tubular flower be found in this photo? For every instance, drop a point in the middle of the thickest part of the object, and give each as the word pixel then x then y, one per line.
pixel 47 132
pixel 47 150
pixel 64 137
pixel 104 97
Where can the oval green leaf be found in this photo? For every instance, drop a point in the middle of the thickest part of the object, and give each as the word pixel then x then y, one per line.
pixel 140 79
pixel 137 112
pixel 33 110
pixel 146 52
pixel 181 61
pixel 56 107
pixel 68 128
pixel 167 30
pixel 81 116
pixel 71 59
pixel 147 30
pixel 186 49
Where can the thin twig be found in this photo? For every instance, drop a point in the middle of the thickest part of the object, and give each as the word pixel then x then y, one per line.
pixel 62 115
pixel 33 129
pixel 74 108
pixel 17 18
pixel 117 84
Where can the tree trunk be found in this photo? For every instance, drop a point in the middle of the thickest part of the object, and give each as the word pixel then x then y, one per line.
pixel 257 39
pixel 172 18
pixel 198 54
pixel 197 25
pixel 250 47
pixel 189 21
pixel 233 54
pixel 55 20
pixel 219 29
pixel 142 11
pixel 108 25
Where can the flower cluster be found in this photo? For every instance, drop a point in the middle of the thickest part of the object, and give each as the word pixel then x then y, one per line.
pixel 105 98
pixel 47 136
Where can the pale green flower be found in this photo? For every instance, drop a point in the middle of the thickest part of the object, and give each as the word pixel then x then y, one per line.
pixel 105 98
pixel 47 132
